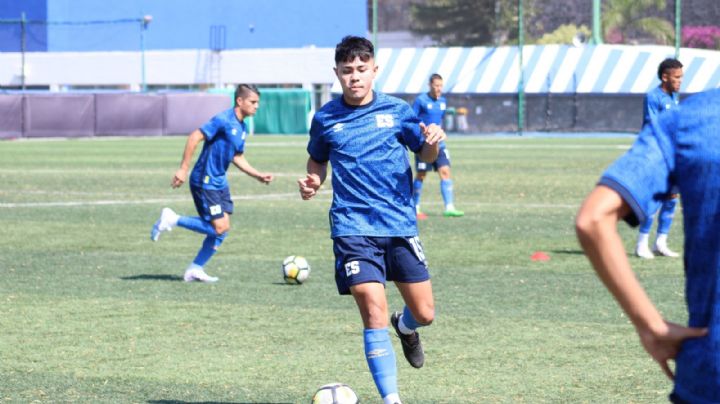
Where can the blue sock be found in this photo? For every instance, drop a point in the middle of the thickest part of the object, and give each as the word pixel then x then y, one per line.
pixel 665 218
pixel 417 190
pixel 646 226
pixel 446 189
pixel 197 224
pixel 208 249
pixel 381 360
pixel 408 319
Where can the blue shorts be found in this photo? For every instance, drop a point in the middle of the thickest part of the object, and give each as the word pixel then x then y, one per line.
pixel 211 204
pixel 360 259
pixel 442 160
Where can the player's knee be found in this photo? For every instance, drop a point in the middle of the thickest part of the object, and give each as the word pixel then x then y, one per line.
pixel 221 228
pixel 426 316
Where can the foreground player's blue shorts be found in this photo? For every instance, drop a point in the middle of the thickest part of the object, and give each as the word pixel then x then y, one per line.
pixel 360 259
pixel 443 160
pixel 212 204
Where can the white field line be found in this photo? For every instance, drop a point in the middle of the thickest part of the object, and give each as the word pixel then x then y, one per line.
pixel 268 197
pixel 265 197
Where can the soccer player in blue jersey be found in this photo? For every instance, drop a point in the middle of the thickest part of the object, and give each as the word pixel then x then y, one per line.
pixel 224 136
pixel 662 98
pixel 430 108
pixel 365 136
pixel 679 148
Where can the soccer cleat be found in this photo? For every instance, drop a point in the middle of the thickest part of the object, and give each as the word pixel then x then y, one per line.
pixel 168 219
pixel 192 275
pixel 412 348
pixel 453 213
pixel 663 250
pixel 421 216
pixel 642 251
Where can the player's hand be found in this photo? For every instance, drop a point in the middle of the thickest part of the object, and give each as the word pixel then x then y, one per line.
pixel 179 178
pixel 664 344
pixel 265 178
pixel 309 186
pixel 433 133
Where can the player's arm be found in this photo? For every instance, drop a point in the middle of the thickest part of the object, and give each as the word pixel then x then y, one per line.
pixel 243 165
pixel 433 134
pixel 192 141
pixel 316 174
pixel 596 227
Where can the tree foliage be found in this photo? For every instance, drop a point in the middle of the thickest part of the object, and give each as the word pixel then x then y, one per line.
pixel 621 18
pixel 467 22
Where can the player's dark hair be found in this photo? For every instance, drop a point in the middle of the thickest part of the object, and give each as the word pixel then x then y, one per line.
pixel 435 76
pixel 352 47
pixel 243 90
pixel 668 64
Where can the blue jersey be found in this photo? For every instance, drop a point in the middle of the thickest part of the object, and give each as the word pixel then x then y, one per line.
pixel 682 147
pixel 371 175
pixel 224 138
pixel 657 101
pixel 430 110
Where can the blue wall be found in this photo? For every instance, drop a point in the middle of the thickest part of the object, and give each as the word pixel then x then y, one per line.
pixel 36 34
pixel 186 24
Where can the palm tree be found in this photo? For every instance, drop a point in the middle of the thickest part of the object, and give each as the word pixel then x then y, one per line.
pixel 622 17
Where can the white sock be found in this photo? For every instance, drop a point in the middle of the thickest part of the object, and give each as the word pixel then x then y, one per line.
pixel 403 329
pixel 661 240
pixel 643 239
pixel 194 266
pixel 392 398
pixel 450 206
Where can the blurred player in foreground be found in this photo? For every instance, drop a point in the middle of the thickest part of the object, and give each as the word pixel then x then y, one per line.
pixel 430 108
pixel 224 137
pixel 680 148
pixel 365 136
pixel 662 98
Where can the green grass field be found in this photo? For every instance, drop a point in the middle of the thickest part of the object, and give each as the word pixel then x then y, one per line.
pixel 92 311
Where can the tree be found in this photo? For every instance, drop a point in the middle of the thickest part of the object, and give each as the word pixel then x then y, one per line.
pixel 467 22
pixel 621 18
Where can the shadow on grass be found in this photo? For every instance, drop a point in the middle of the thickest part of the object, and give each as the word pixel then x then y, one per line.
pixel 210 402
pixel 568 252
pixel 149 277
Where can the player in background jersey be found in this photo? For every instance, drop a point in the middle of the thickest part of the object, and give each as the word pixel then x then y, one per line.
pixel 365 136
pixel 430 108
pixel 224 136
pixel 661 98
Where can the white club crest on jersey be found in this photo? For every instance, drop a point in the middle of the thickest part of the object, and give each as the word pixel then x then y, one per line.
pixel 429 105
pixel 233 131
pixel 384 121
pixel 338 127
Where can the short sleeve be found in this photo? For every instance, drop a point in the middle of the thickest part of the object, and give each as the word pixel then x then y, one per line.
pixel 317 146
pixel 211 128
pixel 411 135
pixel 643 175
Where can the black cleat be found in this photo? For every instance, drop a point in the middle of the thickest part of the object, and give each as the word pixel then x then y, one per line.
pixel 412 348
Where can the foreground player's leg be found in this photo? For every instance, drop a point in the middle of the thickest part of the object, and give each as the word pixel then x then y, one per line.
pixel 419 296
pixel 168 219
pixel 380 357
pixel 665 218
pixel 372 303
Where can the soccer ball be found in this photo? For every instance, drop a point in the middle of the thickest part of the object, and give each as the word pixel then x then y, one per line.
pixel 335 393
pixel 295 269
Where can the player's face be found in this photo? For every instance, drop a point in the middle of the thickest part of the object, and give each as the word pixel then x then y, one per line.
pixel 249 104
pixel 672 79
pixel 436 87
pixel 356 79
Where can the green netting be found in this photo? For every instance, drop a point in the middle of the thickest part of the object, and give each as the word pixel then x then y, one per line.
pixel 282 110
